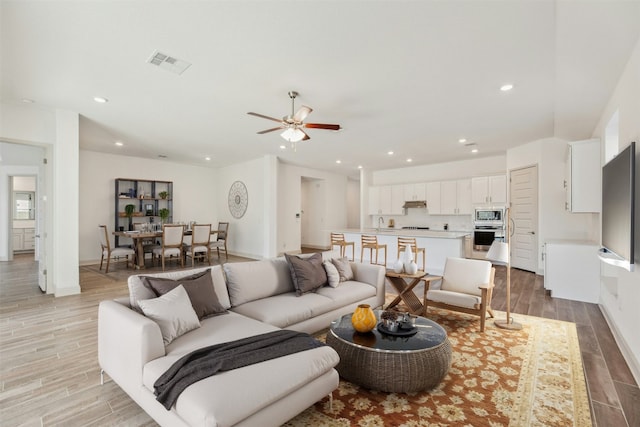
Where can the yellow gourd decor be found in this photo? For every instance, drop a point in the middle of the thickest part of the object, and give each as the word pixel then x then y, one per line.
pixel 364 319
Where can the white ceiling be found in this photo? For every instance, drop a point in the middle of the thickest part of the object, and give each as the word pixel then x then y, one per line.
pixel 407 76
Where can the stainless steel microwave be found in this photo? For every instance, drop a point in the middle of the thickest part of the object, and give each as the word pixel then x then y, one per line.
pixel 489 215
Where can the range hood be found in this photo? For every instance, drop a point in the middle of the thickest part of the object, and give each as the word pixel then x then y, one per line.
pixel 415 204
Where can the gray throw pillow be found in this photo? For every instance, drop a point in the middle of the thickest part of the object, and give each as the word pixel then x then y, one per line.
pixel 172 312
pixel 199 287
pixel 307 274
pixel 344 268
pixel 333 276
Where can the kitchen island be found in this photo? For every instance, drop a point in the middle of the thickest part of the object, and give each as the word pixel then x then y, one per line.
pixel 438 245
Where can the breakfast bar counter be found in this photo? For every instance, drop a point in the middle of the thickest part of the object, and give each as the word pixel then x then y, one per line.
pixel 439 245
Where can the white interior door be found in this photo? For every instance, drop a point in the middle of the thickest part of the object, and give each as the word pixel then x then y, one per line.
pixel 41 230
pixel 524 218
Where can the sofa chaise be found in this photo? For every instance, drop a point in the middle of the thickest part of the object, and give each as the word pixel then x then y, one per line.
pixel 258 297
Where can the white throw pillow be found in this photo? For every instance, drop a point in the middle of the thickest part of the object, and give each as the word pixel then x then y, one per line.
pixel 172 312
pixel 333 275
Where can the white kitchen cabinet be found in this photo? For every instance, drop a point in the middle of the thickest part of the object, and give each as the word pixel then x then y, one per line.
pixel 397 200
pixel 386 200
pixel 582 180
pixel 23 239
pixel 433 198
pixel 572 270
pixel 455 197
pixel 464 197
pixel 415 192
pixel 489 190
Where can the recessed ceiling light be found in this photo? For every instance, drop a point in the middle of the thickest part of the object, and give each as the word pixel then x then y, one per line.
pixel 462 140
pixel 119 144
pixel 409 160
pixel 207 158
pixel 359 166
pixel 283 147
pixel 338 161
pixel 506 87
pixel 475 150
pixel 28 101
pixel 390 153
pixel 100 100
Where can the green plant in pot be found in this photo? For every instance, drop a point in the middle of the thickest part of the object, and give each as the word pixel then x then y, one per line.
pixel 164 214
pixel 163 194
pixel 128 210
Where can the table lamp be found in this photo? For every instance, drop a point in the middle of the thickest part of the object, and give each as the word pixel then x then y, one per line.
pixel 499 254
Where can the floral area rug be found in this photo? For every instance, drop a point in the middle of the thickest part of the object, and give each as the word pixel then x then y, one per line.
pixel 499 378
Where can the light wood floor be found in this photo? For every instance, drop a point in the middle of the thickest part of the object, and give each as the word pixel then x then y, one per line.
pixel 49 373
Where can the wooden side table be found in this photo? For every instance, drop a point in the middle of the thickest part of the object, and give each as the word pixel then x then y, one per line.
pixel 405 290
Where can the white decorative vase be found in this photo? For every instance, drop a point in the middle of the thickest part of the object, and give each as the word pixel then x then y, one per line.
pixel 408 258
pixel 398 266
pixel 412 268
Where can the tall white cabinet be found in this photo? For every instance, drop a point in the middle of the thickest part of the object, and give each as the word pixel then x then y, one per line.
pixel 582 180
pixel 489 190
pixel 572 270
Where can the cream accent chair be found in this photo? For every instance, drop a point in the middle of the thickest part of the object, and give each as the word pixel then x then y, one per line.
pixel 115 253
pixel 337 239
pixel 172 235
pixel 221 242
pixel 199 247
pixel 466 286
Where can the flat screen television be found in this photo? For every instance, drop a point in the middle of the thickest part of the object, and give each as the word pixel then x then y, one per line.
pixel 618 209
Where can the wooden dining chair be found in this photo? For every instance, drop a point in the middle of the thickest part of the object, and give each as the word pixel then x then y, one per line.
pixel 221 242
pixel 148 245
pixel 337 239
pixel 403 242
pixel 112 253
pixel 371 243
pixel 172 236
pixel 200 240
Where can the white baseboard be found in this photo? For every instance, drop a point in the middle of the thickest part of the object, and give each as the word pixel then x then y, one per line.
pixel 629 357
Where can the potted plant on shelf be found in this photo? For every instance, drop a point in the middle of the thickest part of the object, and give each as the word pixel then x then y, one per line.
pixel 128 210
pixel 163 194
pixel 164 214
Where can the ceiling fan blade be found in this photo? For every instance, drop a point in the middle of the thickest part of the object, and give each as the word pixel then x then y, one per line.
pixel 265 117
pixel 270 130
pixel 321 126
pixel 302 114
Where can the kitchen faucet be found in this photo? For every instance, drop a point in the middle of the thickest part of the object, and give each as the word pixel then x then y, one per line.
pixel 380 221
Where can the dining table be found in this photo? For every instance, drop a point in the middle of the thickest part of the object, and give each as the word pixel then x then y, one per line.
pixel 139 236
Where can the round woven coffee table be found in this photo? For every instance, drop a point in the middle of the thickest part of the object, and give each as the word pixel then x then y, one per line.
pixel 379 361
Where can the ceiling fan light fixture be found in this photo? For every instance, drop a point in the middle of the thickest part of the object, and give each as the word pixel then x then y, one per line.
pixel 292 134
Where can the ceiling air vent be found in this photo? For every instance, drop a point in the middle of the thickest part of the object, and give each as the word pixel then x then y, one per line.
pixel 168 63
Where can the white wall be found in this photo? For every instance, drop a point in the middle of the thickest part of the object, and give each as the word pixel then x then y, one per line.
pixel 620 290
pixel 247 234
pixel 331 215
pixel 353 203
pixel 22 123
pixel 57 132
pixel 554 222
pixel 195 193
pixel 441 171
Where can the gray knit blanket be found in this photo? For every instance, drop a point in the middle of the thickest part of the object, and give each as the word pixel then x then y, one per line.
pixel 208 361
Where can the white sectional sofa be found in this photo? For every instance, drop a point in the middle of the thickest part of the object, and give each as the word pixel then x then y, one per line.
pixel 260 298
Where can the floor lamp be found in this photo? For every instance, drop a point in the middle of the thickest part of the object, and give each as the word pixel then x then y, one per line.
pixel 499 254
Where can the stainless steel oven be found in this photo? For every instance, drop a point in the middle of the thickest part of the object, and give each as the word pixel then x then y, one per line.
pixel 488 226
pixel 484 237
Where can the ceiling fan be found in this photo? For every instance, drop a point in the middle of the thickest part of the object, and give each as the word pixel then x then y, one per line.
pixel 293 124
